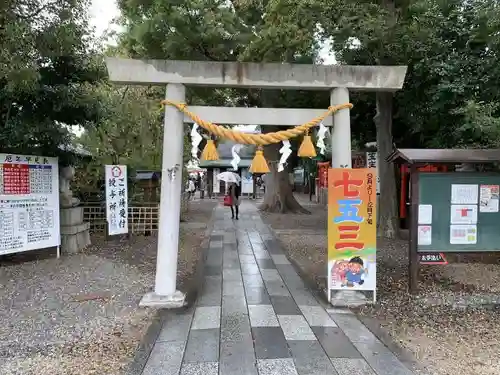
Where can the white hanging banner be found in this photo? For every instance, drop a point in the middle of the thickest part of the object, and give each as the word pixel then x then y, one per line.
pixel 196 139
pixel 116 199
pixel 216 182
pixel 285 152
pixel 372 162
pixel 29 203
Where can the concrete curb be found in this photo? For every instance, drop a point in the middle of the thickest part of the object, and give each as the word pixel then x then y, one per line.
pixel 308 280
pixel 136 367
pixel 402 354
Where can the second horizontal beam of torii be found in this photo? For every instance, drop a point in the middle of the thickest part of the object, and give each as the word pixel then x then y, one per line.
pixel 257 116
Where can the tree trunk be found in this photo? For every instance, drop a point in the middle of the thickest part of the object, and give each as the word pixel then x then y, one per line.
pixel 388 220
pixel 278 196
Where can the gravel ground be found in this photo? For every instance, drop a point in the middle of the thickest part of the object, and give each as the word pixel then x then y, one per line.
pixel 446 326
pixel 79 314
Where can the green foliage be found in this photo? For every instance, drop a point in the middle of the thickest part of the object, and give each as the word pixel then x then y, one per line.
pixel 47 74
pixel 480 126
pixel 130 133
pixel 452 52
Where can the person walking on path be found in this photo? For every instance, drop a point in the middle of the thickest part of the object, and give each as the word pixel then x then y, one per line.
pixel 202 187
pixel 190 189
pixel 234 193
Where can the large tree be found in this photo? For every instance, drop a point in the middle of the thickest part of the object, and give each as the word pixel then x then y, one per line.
pixel 286 34
pixel 450 48
pixel 378 27
pixel 130 132
pixel 47 74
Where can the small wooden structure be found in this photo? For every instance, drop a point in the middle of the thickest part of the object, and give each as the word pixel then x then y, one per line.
pixel 214 167
pixel 434 190
pixel 149 182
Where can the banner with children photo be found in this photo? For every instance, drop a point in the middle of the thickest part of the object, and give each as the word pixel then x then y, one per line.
pixel 352 229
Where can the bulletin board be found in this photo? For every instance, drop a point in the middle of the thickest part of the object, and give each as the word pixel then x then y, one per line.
pixel 458 212
pixel 29 203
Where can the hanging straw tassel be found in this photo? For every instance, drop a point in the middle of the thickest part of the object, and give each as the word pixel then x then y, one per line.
pixel 259 163
pixel 307 149
pixel 210 151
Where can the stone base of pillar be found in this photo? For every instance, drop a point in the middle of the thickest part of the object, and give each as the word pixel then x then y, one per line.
pixel 75 234
pixel 173 301
pixel 323 196
pixel 349 298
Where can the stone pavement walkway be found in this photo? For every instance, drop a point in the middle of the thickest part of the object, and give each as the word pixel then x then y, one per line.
pixel 255 316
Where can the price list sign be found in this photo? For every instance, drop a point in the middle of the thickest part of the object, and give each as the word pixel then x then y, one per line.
pixel 116 199
pixel 29 203
pixel 16 179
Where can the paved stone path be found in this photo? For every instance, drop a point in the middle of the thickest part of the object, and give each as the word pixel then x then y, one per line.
pixel 255 316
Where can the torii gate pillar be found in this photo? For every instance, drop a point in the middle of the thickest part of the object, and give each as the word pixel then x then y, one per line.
pixel 341 131
pixel 165 294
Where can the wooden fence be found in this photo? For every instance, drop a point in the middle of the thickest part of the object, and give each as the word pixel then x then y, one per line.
pixel 142 219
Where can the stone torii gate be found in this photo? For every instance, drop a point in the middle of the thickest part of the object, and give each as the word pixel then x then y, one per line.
pixel 336 79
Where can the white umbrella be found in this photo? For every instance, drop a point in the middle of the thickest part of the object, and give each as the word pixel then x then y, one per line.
pixel 229 177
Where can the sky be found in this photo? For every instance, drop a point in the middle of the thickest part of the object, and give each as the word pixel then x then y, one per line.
pixel 102 14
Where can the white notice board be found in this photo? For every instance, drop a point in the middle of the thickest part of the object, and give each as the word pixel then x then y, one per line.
pixel 246 181
pixel 216 182
pixel 29 203
pixel 116 199
pixel 372 162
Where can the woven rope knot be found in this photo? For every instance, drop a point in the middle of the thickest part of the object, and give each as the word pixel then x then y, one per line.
pixel 335 108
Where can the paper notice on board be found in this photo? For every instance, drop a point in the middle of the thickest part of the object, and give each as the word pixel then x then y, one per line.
pixel 488 198
pixel 464 194
pixel 424 235
pixel 463 234
pixel 463 214
pixel 425 213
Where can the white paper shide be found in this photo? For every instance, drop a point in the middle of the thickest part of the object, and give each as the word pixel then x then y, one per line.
pixel 116 199
pixel 29 203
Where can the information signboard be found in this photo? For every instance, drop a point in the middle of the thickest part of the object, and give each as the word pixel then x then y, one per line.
pixel 372 162
pixel 352 229
pixel 29 203
pixel 460 212
pixel 116 199
pixel 216 182
pixel 246 181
